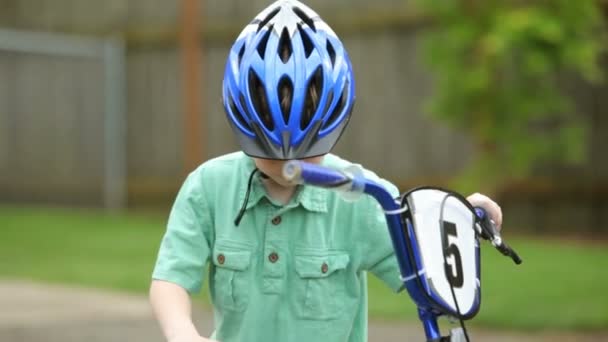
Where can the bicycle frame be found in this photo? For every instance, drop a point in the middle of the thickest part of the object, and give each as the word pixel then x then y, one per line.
pixel 406 250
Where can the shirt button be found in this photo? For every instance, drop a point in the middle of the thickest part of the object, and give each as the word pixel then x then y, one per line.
pixel 276 221
pixel 221 259
pixel 273 257
pixel 324 268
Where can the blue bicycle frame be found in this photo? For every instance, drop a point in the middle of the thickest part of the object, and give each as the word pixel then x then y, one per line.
pixel 353 182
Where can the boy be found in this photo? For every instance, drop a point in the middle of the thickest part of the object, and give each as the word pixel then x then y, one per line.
pixel 287 263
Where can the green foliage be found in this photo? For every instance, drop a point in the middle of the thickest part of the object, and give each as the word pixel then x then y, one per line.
pixel 497 67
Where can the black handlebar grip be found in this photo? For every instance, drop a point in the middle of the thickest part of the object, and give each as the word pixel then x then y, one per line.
pixel 489 232
pixel 516 259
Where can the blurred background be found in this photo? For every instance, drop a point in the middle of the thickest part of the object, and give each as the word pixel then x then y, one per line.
pixel 105 106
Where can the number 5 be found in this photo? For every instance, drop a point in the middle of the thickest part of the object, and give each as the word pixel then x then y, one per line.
pixel 453 269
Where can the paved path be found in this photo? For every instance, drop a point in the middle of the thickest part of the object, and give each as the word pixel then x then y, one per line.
pixel 43 313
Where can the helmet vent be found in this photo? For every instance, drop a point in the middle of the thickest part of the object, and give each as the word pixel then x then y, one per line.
pixel 311 102
pixel 285 97
pixel 267 19
pixel 264 42
pixel 260 100
pixel 305 18
pixel 306 41
pixel 339 107
pixel 237 114
pixel 241 53
pixel 285 49
pixel 330 99
pixel 332 53
pixel 244 105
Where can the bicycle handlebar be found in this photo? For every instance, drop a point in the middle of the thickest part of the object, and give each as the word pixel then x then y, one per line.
pixel 305 173
pixel 490 233
pixel 352 181
pixel 346 181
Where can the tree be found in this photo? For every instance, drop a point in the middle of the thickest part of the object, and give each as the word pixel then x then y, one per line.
pixel 496 65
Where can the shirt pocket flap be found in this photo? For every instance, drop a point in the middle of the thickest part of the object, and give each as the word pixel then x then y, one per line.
pixel 237 260
pixel 316 266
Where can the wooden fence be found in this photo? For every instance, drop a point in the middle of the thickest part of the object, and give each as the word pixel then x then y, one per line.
pixel 50 115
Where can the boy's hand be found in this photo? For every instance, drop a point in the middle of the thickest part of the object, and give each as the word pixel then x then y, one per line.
pixel 483 201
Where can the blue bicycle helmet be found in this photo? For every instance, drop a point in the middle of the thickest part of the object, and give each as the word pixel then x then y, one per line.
pixel 289 87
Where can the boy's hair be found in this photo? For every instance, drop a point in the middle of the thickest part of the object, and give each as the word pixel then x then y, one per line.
pixel 286 95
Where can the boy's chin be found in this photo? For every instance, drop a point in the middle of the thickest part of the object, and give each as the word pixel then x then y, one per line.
pixel 280 181
pixel 283 182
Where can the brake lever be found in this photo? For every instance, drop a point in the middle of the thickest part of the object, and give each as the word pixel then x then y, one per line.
pixel 487 230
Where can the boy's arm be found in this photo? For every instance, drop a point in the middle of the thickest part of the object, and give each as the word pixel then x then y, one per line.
pixel 378 253
pixel 173 310
pixel 181 262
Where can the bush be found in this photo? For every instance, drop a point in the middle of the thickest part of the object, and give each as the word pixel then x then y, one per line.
pixel 496 66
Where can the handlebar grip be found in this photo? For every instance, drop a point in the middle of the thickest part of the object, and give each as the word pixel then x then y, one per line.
pixel 306 173
pixel 508 251
pixel 349 183
pixel 489 232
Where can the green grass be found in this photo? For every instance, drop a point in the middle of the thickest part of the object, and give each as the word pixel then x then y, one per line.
pixel 79 247
pixel 560 285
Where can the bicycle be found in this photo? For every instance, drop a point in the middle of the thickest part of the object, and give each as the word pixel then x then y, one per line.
pixel 440 285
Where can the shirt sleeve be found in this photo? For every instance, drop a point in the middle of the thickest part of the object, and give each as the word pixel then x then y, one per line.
pixel 184 250
pixel 379 255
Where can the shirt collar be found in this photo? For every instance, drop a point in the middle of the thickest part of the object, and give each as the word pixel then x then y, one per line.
pixel 311 198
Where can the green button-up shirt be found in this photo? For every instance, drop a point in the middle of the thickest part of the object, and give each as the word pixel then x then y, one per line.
pixel 287 273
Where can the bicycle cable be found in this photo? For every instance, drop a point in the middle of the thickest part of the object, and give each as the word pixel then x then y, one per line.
pixel 445 265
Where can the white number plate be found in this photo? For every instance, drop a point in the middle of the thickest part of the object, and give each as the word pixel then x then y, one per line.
pixel 429 207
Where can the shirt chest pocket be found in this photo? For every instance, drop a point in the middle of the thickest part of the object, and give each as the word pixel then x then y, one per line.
pixel 231 278
pixel 320 285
